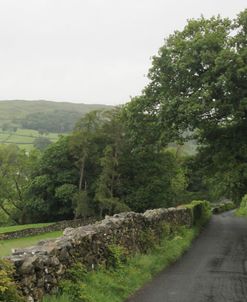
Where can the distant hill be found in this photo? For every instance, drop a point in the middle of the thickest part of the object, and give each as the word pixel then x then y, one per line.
pixel 44 115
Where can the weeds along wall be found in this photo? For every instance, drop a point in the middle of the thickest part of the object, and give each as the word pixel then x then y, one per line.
pixel 39 268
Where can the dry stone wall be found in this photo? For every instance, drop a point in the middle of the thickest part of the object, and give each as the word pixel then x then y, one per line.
pixel 39 268
pixel 58 226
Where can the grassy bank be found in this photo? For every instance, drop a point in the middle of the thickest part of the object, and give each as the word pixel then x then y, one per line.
pixel 117 284
pixel 7 245
pixel 241 212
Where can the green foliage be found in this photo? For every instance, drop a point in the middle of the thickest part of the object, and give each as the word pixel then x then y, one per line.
pixel 222 207
pixel 147 239
pixel 65 195
pixel 41 143
pixel 54 121
pixel 153 175
pixel 244 202
pixel 150 238
pixel 54 180
pixel 153 180
pixel 81 203
pixel 197 90
pixel 117 256
pixel 229 206
pixel 8 289
pixel 242 210
pixel 15 112
pixel 5 220
pixel 9 127
pixel 61 298
pixel 201 211
pixel 72 286
pixel 15 171
pixel 197 188
pixel 107 183
pixel 84 145
pixel 111 172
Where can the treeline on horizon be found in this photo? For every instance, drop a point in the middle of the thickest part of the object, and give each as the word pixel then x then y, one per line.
pixel 122 159
pixel 43 116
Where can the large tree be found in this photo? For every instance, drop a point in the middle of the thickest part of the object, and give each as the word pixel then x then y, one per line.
pixel 15 172
pixel 54 180
pixel 198 86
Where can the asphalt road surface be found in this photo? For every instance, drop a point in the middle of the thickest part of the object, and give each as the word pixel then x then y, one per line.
pixel 213 270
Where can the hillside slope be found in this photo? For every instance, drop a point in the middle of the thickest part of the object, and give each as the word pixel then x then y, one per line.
pixel 16 110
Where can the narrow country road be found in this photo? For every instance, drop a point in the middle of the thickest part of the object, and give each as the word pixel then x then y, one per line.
pixel 213 270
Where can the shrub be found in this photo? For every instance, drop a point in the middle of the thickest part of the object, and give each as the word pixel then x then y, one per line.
pixel 242 210
pixel 8 289
pixel 72 286
pixel 147 240
pixel 243 203
pixel 201 211
pixel 222 207
pixel 117 256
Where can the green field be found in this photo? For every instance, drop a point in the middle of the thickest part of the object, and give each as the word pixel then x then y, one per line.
pixel 7 245
pixel 24 138
pixel 63 115
pixel 22 227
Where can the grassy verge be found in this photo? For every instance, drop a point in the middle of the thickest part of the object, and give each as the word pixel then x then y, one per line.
pixel 241 212
pixel 22 227
pixel 7 245
pixel 118 284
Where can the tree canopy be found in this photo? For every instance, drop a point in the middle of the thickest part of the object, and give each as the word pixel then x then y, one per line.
pixel 198 88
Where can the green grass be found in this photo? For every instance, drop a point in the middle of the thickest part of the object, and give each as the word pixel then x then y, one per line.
pixel 22 227
pixel 63 298
pixel 241 212
pixel 7 245
pixel 117 285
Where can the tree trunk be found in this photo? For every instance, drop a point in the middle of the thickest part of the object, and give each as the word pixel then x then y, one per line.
pixel 82 172
pixel 14 204
pixel 18 190
pixel 7 213
pixel 101 213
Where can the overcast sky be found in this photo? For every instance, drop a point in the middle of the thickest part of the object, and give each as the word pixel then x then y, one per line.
pixel 90 51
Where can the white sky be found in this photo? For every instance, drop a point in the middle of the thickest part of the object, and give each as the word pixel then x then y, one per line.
pixel 91 51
